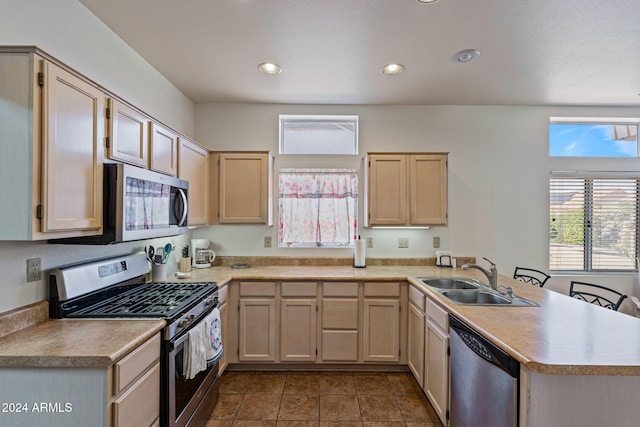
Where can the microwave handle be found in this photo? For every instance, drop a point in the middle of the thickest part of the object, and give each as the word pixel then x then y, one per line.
pixel 185 207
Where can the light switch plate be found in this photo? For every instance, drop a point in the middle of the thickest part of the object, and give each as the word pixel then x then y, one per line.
pixel 369 242
pixel 267 241
pixel 436 242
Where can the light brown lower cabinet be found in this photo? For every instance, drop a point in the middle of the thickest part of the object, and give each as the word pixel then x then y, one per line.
pixel 436 363
pixel 381 322
pixel 134 394
pixel 339 322
pixel 298 321
pixel 257 322
pixel 125 394
pixel 428 349
pixel 327 322
pixel 415 334
pixel 223 297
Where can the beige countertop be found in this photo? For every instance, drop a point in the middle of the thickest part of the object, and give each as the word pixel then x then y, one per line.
pixel 563 336
pixel 75 342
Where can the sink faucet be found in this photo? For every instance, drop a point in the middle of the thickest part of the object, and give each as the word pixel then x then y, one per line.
pixel 492 274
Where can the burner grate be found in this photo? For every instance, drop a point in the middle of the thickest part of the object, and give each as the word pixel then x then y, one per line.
pixel 151 300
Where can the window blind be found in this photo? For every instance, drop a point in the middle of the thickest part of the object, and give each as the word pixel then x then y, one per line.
pixel 593 223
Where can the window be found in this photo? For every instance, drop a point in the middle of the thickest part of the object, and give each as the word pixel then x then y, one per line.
pixel 602 138
pixel 593 222
pixel 318 208
pixel 318 134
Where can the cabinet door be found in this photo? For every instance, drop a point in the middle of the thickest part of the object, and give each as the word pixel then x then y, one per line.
pixel 436 378
pixel 257 335
pixel 73 131
pixel 164 149
pixel 428 189
pixel 128 134
pixel 387 193
pixel 194 167
pixel 381 330
pixel 245 188
pixel 140 404
pixel 415 342
pixel 298 330
pixel 224 329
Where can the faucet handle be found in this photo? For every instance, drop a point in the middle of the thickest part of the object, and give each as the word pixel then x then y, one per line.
pixel 489 261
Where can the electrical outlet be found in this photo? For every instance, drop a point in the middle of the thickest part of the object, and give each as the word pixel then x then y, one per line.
pixel 267 241
pixel 34 273
pixel 436 242
pixel 369 242
pixel 403 242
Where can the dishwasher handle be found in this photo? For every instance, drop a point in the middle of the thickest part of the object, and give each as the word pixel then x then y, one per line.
pixel 484 348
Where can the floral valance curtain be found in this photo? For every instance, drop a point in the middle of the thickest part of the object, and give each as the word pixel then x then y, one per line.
pixel 318 207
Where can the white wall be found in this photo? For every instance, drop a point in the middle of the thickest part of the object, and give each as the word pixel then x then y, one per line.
pixel 498 155
pixel 498 175
pixel 68 31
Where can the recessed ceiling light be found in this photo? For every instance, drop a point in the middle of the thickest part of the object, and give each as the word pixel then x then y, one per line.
pixel 467 55
pixel 426 1
pixel 392 69
pixel 269 68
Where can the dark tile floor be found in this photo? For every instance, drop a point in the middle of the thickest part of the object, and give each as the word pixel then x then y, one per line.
pixel 321 399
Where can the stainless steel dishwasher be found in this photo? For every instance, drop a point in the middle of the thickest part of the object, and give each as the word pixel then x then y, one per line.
pixel 484 380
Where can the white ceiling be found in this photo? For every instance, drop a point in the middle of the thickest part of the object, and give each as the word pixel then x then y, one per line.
pixel 541 52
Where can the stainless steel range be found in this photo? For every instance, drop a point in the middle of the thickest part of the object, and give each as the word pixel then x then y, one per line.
pixel 116 288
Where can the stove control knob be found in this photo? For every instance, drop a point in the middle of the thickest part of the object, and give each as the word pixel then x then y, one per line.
pixel 183 323
pixel 190 318
pixel 212 301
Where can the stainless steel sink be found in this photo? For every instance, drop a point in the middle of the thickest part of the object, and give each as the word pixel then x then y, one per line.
pixel 482 297
pixel 450 282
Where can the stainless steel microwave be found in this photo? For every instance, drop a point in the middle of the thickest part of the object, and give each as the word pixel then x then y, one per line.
pixel 139 204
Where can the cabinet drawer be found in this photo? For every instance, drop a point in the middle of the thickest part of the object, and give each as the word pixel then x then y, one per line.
pixel 381 289
pixel 437 314
pixel 340 289
pixel 140 405
pixel 299 289
pixel 339 313
pixel 340 346
pixel 131 366
pixel 416 297
pixel 257 289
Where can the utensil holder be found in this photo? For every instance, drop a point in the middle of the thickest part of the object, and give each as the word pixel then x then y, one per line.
pixel 159 272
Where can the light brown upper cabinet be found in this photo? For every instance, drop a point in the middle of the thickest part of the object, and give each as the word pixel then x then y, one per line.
pixel 164 149
pixel 53 133
pixel 193 166
pixel 128 135
pixel 244 182
pixel 72 155
pixel 405 189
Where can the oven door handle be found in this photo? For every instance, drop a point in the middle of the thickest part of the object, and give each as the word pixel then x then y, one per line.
pixel 179 341
pixel 173 344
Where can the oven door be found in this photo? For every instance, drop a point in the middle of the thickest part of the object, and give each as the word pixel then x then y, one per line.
pixel 185 401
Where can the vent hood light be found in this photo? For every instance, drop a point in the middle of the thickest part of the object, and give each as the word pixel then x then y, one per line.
pixel 426 1
pixel 392 69
pixel 269 68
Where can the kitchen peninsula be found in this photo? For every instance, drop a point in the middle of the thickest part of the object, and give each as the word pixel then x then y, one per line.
pixel 574 357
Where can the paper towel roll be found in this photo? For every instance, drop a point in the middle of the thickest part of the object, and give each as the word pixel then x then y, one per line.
pixel 358 254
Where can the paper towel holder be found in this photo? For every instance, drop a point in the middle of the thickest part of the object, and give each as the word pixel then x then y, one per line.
pixel 359 259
